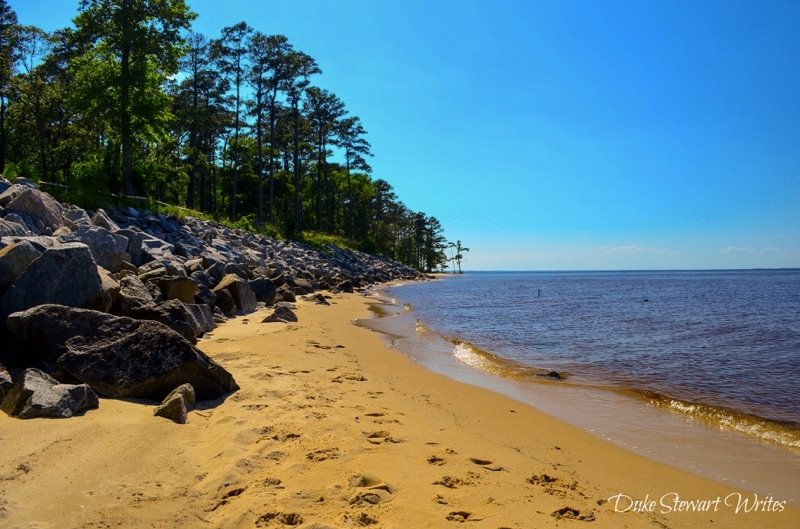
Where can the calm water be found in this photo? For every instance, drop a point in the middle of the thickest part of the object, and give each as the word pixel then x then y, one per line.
pixel 721 345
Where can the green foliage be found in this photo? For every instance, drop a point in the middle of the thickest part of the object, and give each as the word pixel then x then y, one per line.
pixel 239 135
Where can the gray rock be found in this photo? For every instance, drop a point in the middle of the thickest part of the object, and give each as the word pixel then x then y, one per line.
pixel 38 205
pixel 36 394
pixel 175 315
pixel 14 259
pixel 177 405
pixel 281 314
pixel 241 292
pixel 101 218
pixel 345 286
pixel 6 382
pixel 108 249
pixel 12 229
pixel 177 287
pixel 66 275
pixel 119 357
pixel 11 193
pixel 74 217
pixel 203 316
pixel 264 289
pixel 110 285
pixel 133 296
pixel 225 303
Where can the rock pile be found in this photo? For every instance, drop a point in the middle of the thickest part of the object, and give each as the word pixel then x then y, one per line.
pixel 112 303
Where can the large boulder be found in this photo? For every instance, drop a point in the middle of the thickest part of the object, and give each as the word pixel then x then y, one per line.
pixel 14 259
pixel 108 249
pixel 102 220
pixel 264 289
pixel 119 357
pixel 13 229
pixel 64 274
pixel 38 205
pixel 241 292
pixel 133 295
pixel 36 394
pixel 188 320
pixel 178 287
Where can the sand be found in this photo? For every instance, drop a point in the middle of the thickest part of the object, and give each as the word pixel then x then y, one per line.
pixel 333 429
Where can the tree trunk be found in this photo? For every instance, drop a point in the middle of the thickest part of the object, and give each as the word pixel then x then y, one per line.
pixel 298 206
pixel 126 134
pixel 271 161
pixel 349 199
pixel 2 134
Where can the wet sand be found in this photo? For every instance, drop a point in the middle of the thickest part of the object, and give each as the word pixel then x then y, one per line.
pixel 333 429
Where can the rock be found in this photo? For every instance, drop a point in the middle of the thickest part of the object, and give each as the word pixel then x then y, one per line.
pixel 6 382
pixel 12 229
pixel 264 289
pixel 101 219
pixel 241 292
pixel 225 303
pixel 206 295
pixel 4 184
pixel 74 217
pixel 177 404
pixel 110 285
pixel 133 296
pixel 175 315
pixel 281 314
pixel 36 394
pixel 119 357
pixel 108 249
pixel 285 294
pixel 176 287
pixel 14 259
pixel 319 299
pixel 345 286
pixel 66 275
pixel 203 316
pixel 11 193
pixel 154 249
pixel 39 206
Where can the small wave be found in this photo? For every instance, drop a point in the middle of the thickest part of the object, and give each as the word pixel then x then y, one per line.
pixel 783 434
pixel 478 358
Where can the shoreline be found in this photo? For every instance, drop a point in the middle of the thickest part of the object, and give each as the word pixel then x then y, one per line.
pixel 331 427
pixel 627 417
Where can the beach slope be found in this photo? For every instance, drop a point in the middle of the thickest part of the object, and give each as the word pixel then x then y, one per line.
pixel 333 429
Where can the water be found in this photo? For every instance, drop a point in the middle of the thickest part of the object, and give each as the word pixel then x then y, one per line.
pixel 718 350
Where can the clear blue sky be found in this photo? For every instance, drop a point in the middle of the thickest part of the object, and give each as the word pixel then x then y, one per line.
pixel 564 134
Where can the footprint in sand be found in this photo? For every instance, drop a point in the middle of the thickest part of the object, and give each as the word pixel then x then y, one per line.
pixel 488 464
pixel 451 482
pixel 371 490
pixel 462 516
pixel 228 496
pixel 555 486
pixel 278 518
pixel 570 513
pixel 360 519
pixel 323 454
pixel 349 376
pixel 380 437
pixel 436 460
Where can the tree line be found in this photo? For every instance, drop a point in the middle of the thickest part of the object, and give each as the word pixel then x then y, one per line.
pixel 130 101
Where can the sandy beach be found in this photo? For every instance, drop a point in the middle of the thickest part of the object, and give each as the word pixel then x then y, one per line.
pixel 333 429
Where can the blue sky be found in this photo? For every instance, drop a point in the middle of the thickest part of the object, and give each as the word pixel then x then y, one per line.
pixel 564 134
